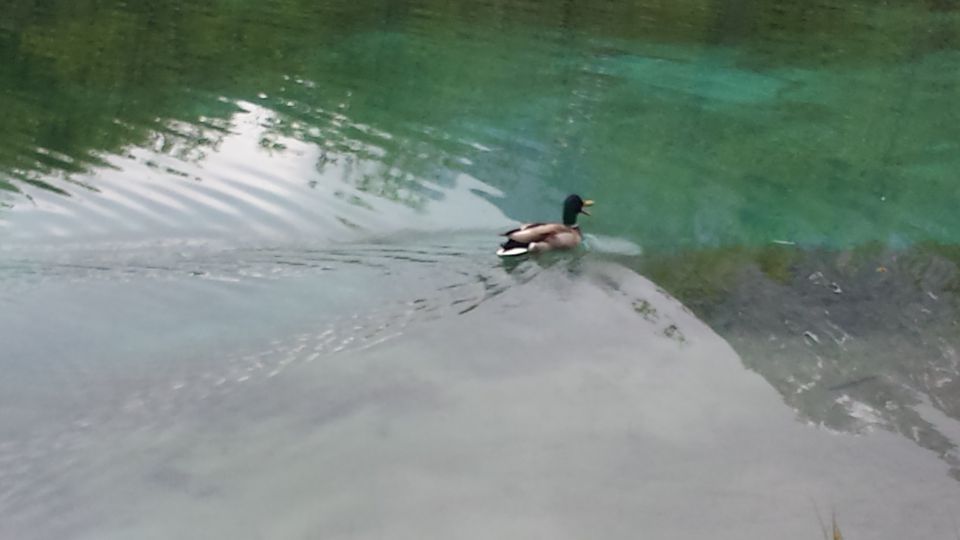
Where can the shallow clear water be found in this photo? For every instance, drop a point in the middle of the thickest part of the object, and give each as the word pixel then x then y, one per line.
pixel 247 287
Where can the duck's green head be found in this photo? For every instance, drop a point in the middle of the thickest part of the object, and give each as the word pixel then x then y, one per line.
pixel 572 206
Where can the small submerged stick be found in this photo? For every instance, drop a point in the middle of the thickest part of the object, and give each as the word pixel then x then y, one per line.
pixel 836 529
pixel 835 533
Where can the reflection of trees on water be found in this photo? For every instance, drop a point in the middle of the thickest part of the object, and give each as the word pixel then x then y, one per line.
pixel 84 79
pixel 88 79
pixel 850 339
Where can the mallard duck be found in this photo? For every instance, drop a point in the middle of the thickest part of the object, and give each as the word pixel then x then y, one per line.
pixel 537 237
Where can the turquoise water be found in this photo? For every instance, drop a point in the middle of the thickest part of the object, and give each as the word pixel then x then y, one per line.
pixel 696 125
pixel 247 283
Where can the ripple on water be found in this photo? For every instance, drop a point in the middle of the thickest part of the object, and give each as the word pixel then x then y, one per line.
pixel 132 397
pixel 243 191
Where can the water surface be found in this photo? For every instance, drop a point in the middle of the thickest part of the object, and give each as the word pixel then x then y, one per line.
pixel 248 289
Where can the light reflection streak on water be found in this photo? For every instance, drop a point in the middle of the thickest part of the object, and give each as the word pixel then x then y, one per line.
pixel 245 189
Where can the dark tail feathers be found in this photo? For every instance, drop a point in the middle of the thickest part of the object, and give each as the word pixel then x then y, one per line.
pixel 512 244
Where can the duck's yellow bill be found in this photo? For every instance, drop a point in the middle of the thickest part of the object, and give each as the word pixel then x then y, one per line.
pixel 586 203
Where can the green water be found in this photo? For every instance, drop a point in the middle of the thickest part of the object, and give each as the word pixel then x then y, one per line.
pixel 695 124
pixel 246 269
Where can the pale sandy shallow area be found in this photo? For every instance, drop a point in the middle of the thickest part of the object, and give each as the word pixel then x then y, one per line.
pixel 461 402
